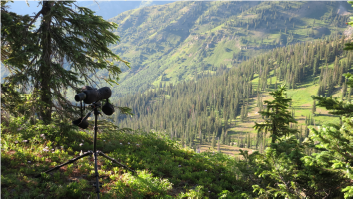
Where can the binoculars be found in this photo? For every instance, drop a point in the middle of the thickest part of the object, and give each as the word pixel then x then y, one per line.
pixel 91 95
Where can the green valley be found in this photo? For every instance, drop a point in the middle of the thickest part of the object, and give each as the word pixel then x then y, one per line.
pixel 226 106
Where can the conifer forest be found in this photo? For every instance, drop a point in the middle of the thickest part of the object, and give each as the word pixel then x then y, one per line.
pixel 183 99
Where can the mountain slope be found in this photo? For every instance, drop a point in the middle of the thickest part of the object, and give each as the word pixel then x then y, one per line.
pixel 226 106
pixel 183 40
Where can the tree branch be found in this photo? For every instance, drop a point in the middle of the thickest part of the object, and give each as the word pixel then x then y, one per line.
pixel 35 18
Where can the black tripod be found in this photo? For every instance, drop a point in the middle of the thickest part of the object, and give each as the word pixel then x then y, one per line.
pixel 95 153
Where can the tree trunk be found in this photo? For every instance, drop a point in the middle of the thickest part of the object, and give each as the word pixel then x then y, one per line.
pixel 44 70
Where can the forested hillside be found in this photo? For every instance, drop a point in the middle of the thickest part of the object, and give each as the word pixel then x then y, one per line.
pixel 185 40
pixel 197 112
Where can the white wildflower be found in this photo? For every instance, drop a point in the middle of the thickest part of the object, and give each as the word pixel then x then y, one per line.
pixel 29 162
pixel 81 144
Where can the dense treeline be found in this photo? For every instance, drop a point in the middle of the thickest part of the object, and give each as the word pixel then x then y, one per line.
pixel 207 108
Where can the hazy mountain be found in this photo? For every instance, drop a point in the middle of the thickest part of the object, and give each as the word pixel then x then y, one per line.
pixel 181 40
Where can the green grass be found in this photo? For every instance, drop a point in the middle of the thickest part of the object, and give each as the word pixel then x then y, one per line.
pixel 164 169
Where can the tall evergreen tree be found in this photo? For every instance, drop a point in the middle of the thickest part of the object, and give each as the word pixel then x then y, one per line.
pixel 249 141
pixel 344 91
pixel 222 136
pixel 313 108
pixel 219 145
pixel 213 142
pixel 63 52
pixel 277 117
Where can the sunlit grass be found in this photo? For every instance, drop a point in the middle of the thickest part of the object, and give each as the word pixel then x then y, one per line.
pixel 164 169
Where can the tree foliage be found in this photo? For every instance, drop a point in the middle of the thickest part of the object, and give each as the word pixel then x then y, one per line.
pixel 277 117
pixel 66 50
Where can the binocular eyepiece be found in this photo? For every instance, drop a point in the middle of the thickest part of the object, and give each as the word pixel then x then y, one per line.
pixel 80 97
pixel 90 95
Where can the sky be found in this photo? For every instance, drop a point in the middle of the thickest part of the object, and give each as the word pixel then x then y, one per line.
pixel 21 7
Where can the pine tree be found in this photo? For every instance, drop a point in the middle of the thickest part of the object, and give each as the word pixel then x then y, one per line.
pixel 64 34
pixel 242 113
pixel 257 140
pixel 277 117
pixel 219 146
pixel 222 136
pixel 200 136
pixel 213 142
pixel 344 91
pixel 349 94
pixel 313 108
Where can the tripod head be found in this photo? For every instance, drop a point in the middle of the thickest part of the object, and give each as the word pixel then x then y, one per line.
pixel 96 105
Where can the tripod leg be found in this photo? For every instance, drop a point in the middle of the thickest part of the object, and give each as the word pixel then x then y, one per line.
pixel 96 171
pixel 68 162
pixel 112 159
